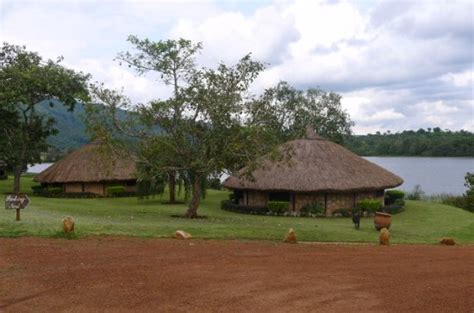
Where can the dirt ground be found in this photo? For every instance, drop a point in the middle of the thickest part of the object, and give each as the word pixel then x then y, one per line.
pixel 165 275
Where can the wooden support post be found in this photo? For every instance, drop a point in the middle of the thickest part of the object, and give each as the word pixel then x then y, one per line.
pixel 17 214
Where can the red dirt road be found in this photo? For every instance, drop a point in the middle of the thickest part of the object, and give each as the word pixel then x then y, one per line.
pixel 159 275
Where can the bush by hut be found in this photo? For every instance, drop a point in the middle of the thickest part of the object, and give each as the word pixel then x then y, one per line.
pixel 91 169
pixel 318 173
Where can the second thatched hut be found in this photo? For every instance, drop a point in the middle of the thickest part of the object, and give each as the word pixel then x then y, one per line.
pixel 317 171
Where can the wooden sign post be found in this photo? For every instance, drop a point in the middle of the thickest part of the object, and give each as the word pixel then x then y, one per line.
pixel 17 202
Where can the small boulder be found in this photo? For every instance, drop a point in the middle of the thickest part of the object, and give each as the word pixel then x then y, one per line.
pixel 181 234
pixel 384 236
pixel 291 236
pixel 447 241
pixel 68 225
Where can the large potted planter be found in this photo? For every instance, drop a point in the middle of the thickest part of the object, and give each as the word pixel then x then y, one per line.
pixel 382 220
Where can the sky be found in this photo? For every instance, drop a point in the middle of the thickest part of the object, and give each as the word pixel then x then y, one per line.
pixel 398 64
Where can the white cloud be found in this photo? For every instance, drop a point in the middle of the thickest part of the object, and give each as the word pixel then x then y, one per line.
pixel 385 115
pixel 398 64
pixel 439 107
pixel 231 35
pixel 140 89
pixel 460 79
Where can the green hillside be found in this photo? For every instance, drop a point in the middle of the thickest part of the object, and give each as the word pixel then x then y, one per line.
pixel 72 129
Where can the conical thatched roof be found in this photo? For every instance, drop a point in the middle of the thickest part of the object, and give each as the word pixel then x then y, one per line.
pixel 90 163
pixel 315 165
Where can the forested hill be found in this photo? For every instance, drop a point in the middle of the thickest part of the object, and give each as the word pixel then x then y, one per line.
pixel 429 142
pixel 72 129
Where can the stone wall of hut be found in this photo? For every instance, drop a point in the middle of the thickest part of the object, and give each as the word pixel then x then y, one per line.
pixel 96 188
pixel 302 199
pixel 254 198
pixel 338 201
pixel 331 201
pixel 72 187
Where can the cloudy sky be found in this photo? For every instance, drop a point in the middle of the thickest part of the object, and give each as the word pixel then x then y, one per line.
pixel 398 64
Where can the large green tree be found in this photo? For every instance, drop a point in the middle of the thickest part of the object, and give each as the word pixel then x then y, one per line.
pixel 172 62
pixel 212 135
pixel 288 112
pixel 25 80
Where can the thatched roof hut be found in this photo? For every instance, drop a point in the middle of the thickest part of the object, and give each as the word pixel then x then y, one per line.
pixel 315 166
pixel 91 168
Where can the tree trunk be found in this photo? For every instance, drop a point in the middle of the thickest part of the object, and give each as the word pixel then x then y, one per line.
pixel 172 187
pixel 16 182
pixel 196 199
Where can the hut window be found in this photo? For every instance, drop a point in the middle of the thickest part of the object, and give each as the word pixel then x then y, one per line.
pixel 131 183
pixel 379 193
pixel 279 196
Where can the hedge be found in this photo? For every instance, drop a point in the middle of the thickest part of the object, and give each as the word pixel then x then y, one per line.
pixel 369 205
pixel 393 195
pixel 229 205
pixel 343 211
pixel 278 206
pixel 116 191
pixel 313 208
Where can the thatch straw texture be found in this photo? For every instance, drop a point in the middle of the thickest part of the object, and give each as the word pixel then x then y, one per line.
pixel 315 165
pixel 90 163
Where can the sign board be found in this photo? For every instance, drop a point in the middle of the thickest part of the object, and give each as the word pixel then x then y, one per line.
pixel 17 201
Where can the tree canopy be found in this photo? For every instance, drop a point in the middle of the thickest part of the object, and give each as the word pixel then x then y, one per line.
pixel 288 112
pixel 26 80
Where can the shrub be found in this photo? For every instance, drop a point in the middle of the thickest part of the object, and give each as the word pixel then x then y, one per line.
pixel 393 195
pixel 116 191
pixel 214 183
pixel 416 194
pixel 457 201
pixel 313 208
pixel 79 195
pixel 232 196
pixel 343 211
pixel 54 190
pixel 278 206
pixel 469 195
pixel 229 205
pixel 39 191
pixel 369 205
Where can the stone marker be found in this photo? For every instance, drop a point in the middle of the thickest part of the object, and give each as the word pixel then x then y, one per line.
pixel 447 241
pixel 384 236
pixel 180 234
pixel 291 236
pixel 68 224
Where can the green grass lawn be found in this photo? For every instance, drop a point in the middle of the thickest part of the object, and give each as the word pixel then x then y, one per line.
pixel 422 222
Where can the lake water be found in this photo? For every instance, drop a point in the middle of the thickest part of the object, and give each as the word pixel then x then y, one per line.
pixel 38 168
pixel 434 175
